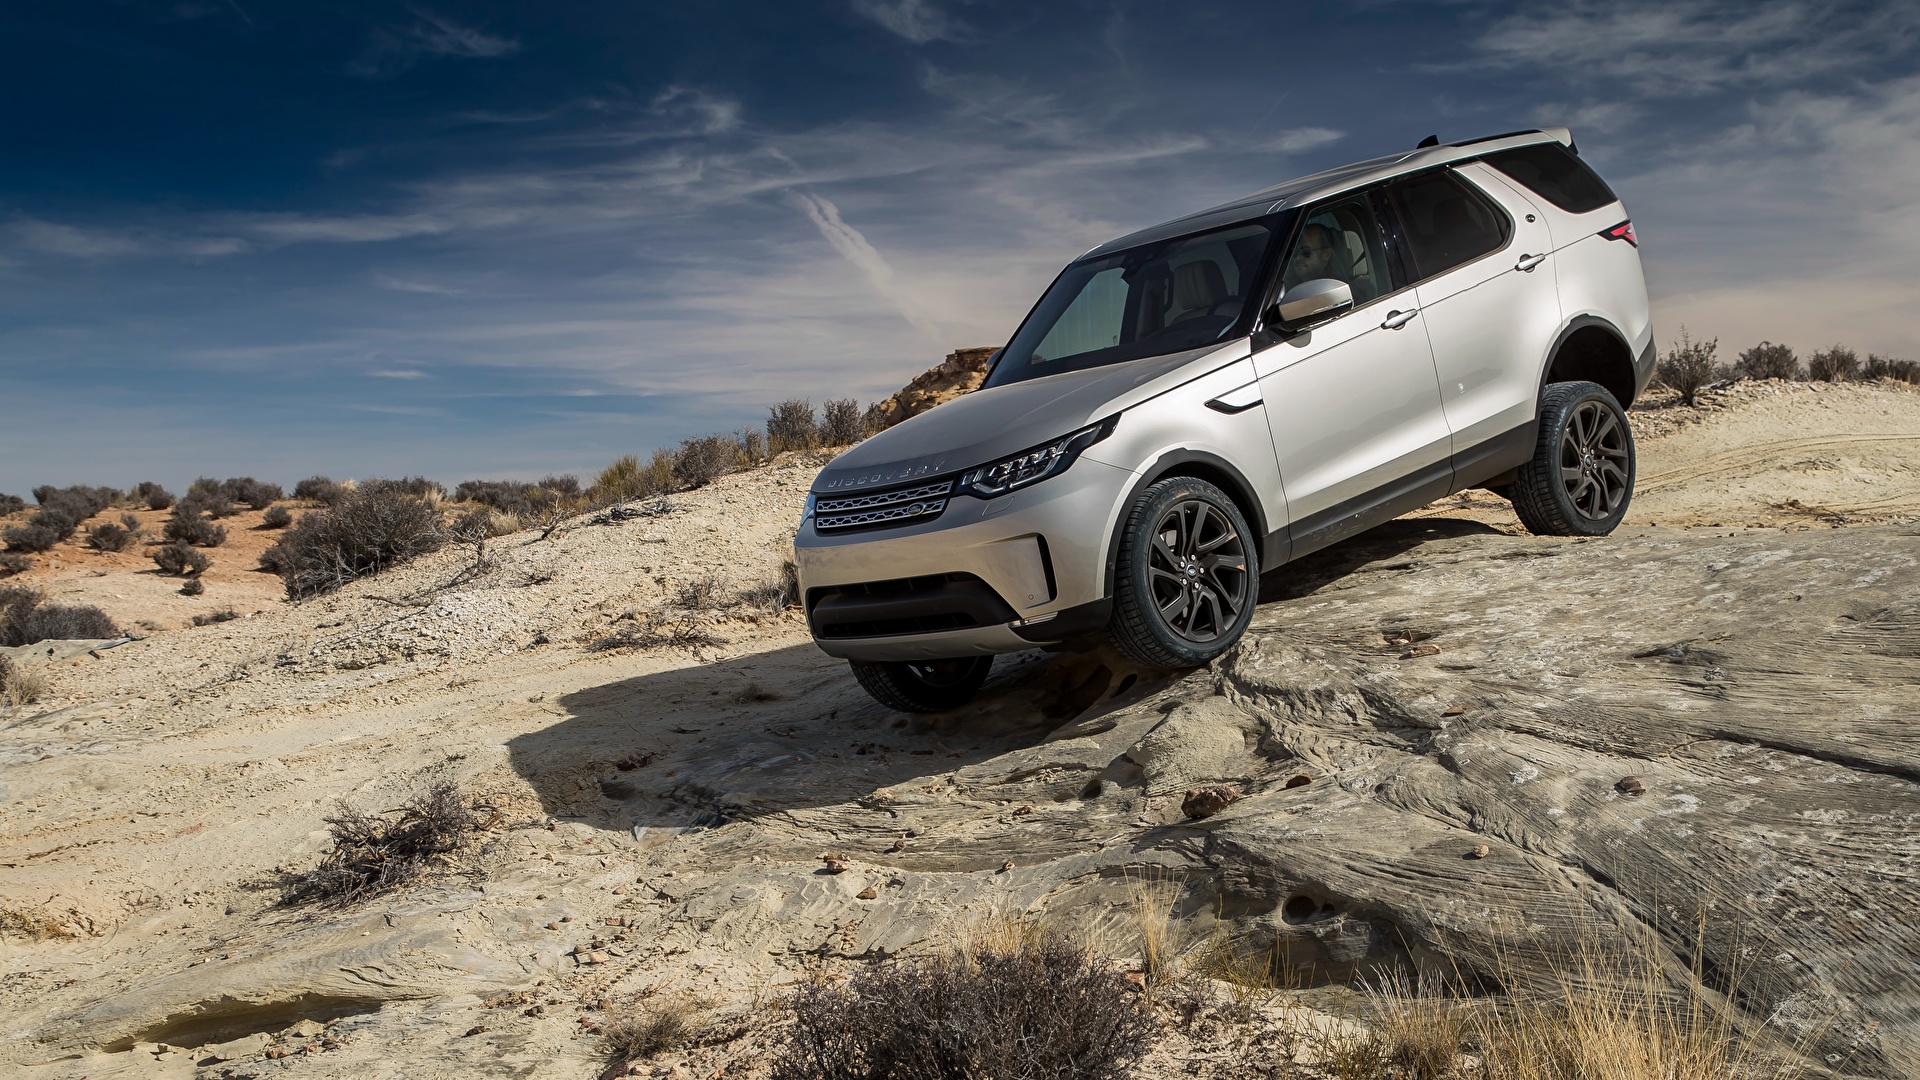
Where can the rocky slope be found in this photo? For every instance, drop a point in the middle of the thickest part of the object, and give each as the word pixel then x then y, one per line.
pixel 1457 748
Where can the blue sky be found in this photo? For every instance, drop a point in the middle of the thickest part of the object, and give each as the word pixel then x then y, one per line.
pixel 494 239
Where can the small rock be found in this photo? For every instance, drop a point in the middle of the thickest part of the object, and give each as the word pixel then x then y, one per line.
pixel 537 1010
pixel 1136 981
pixel 1006 866
pixel 1420 650
pixel 615 920
pixel 1631 785
pixel 868 893
pixel 1297 780
pixel 596 957
pixel 245 1046
pixel 835 864
pixel 1455 711
pixel 898 845
pixel 476 1029
pixel 305 1029
pixel 553 926
pixel 1208 801
pixel 1023 811
pixel 1480 851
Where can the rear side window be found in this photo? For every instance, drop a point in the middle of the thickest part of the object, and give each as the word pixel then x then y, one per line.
pixel 1550 171
pixel 1445 223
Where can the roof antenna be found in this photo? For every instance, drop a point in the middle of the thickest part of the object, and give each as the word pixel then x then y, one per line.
pixel 1431 140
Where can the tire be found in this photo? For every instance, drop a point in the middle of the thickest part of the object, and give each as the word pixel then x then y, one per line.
pixel 923 685
pixel 1186 576
pixel 1580 478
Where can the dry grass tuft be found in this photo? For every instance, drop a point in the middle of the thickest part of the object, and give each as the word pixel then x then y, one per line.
pixel 655 631
pixel 1030 1003
pixel 700 594
pixel 19 687
pixel 35 925
pixel 644 1029
pixel 372 855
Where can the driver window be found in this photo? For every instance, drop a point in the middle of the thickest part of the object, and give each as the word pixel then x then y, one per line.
pixel 1342 241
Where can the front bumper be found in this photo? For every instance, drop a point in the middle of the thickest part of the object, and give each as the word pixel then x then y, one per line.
pixel 1040 551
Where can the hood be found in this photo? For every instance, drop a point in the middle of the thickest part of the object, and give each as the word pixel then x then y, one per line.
pixel 986 425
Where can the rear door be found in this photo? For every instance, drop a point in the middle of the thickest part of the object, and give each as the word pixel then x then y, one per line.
pixel 1481 256
pixel 1353 403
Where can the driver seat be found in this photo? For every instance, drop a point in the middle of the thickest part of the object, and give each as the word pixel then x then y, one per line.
pixel 1198 288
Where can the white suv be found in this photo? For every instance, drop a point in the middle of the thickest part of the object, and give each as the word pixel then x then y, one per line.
pixel 1199 402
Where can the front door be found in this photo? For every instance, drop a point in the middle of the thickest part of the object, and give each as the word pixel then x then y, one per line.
pixel 1353 403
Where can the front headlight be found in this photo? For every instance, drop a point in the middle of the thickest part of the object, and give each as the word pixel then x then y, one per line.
pixel 806 510
pixel 1032 466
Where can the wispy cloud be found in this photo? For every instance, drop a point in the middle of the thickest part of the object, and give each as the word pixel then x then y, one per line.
pixel 391 50
pixel 388 281
pixel 1302 139
pixel 919 21
pixel 397 373
pixel 853 246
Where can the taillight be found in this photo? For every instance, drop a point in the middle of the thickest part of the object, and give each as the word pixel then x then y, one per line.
pixel 1622 231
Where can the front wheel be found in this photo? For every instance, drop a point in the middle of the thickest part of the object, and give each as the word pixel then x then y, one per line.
pixel 1580 478
pixel 923 685
pixel 1187 575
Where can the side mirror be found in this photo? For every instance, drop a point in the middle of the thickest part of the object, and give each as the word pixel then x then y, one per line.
pixel 1309 300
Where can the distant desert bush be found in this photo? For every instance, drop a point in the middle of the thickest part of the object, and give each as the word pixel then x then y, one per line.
pixel 109 537
pixel 1835 364
pixel 193 586
pixel 153 495
pixel 1886 367
pixel 842 423
pixel 25 618
pixel 522 499
pixel 377 526
pixel 1768 361
pixel 626 479
pixel 373 854
pixel 418 487
pixel 1689 365
pixel 254 494
pixel 178 558
pixel 753 446
pixel 11 504
pixel 790 426
pixel 60 514
pixel 319 489
pixel 214 503
pixel 14 562
pixel 212 617
pixel 190 524
pixel 276 517
pixel 1039 1006
pixel 703 460
pixel 30 537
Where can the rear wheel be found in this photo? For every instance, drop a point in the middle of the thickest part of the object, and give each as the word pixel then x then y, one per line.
pixel 1580 478
pixel 923 685
pixel 1186 577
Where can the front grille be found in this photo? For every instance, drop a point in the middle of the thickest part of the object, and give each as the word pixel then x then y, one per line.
pixel 922 502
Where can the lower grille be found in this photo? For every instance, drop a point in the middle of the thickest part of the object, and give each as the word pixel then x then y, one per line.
pixel 921 605
pixel 901 506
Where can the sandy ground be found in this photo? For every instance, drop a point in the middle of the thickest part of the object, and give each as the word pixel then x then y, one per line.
pixel 665 809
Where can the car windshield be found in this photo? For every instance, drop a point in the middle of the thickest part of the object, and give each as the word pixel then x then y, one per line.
pixel 1152 300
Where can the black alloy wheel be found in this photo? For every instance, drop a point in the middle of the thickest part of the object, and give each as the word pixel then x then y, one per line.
pixel 1187 576
pixel 1580 478
pixel 923 685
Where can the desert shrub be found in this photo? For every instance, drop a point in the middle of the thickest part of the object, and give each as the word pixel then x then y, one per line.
pixel 772 596
pixel 179 558
pixel 1768 361
pixel 130 521
pixel 1835 364
pixel 373 855
pixel 522 499
pixel 212 617
pixel 375 527
pixel 276 517
pixel 24 538
pixel 11 504
pixel 61 512
pixel 790 426
pixel 703 460
pixel 841 423
pixel 152 494
pixel 655 631
pixel 24 619
pixel 753 446
pixel 193 586
pixel 189 524
pixel 1887 367
pixel 214 504
pixel 1041 1007
pixel 654 1027
pixel 699 594
pixel 14 562
pixel 205 485
pixel 109 537
pixel 319 489
pixel 418 487
pixel 255 494
pixel 626 479
pixel 17 687
pixel 1689 365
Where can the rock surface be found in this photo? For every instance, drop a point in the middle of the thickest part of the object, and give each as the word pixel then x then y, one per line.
pixel 665 810
pixel 960 373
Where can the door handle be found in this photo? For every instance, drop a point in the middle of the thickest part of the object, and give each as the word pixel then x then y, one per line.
pixel 1528 262
pixel 1398 319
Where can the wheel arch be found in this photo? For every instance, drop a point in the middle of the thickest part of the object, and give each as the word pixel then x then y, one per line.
pixel 1593 349
pixel 1200 465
